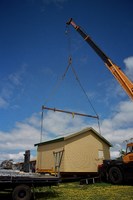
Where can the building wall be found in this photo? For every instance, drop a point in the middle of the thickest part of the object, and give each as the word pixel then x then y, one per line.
pixel 45 156
pixel 82 153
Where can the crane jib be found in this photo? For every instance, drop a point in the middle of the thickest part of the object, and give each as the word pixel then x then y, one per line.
pixel 120 76
pixel 94 46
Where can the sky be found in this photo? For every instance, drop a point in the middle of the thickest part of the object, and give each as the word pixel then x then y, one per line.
pixel 35 47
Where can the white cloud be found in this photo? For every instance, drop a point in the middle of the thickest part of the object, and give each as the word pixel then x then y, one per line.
pixel 3 103
pixel 119 127
pixel 15 79
pixel 58 124
pixel 14 156
pixel 9 85
pixel 121 120
pixel 113 88
pixel 24 135
pixel 129 67
pixel 21 138
pixel 34 120
pixel 114 154
pixel 124 115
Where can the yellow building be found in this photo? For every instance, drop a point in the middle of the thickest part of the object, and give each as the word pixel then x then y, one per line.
pixel 77 153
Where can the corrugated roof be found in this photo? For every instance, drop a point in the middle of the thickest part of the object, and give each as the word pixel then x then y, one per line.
pixel 74 135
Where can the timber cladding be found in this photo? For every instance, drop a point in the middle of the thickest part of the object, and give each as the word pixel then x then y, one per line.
pixel 79 152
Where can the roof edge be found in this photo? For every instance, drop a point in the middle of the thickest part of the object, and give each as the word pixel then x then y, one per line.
pixel 73 135
pixel 85 130
pixel 50 141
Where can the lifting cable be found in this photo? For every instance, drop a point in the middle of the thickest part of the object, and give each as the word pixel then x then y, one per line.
pixel 74 71
pixel 57 85
pixel 76 76
pixel 41 126
pixel 82 88
pixel 63 111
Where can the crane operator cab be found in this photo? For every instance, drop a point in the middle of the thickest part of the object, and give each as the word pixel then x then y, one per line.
pixel 128 157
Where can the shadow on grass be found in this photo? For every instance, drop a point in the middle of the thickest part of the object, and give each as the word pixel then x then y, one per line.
pixel 36 196
pixel 46 195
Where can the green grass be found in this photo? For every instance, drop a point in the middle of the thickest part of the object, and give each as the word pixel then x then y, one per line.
pixel 74 191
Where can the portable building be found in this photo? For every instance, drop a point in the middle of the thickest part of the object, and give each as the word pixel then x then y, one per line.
pixel 80 152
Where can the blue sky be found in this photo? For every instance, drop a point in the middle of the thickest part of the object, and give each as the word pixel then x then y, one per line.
pixel 35 46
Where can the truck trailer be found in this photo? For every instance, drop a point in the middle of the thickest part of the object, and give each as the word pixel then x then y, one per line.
pixel 22 183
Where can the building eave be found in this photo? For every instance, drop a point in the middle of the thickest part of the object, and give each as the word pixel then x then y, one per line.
pixel 74 135
pixel 50 141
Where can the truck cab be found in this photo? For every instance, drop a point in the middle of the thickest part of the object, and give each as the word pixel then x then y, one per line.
pixel 128 157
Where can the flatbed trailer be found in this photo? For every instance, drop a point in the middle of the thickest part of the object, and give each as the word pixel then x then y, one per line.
pixel 22 183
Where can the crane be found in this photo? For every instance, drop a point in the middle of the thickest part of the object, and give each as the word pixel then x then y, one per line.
pixel 123 80
pixel 115 171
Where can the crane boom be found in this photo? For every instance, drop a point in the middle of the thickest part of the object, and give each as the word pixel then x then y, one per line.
pixel 123 80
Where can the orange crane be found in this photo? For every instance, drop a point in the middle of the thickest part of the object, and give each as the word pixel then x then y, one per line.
pixel 123 80
pixel 115 171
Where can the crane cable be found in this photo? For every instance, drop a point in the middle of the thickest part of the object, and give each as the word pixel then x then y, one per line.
pixel 82 88
pixel 76 76
pixel 57 85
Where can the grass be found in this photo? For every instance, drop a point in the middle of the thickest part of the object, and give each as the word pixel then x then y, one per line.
pixel 74 191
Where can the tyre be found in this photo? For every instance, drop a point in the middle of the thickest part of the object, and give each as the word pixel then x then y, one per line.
pixel 115 175
pixel 21 192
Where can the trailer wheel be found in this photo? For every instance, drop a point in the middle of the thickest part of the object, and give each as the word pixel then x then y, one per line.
pixel 115 175
pixel 21 192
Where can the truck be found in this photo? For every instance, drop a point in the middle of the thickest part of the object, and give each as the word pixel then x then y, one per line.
pixel 22 182
pixel 119 170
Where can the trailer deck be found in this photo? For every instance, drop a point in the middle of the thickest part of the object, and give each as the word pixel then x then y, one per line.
pixel 22 183
pixel 11 178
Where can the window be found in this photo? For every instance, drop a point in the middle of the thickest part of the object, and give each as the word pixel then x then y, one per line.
pixel 100 154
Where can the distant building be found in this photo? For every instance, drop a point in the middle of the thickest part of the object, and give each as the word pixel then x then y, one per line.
pixel 32 165
pixel 78 153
